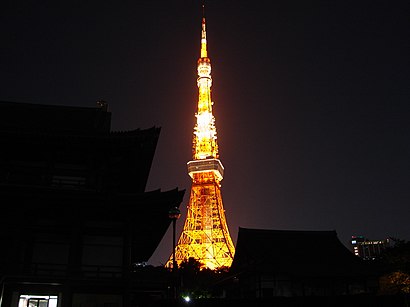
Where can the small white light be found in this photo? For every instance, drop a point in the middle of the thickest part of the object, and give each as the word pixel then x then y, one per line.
pixel 187 299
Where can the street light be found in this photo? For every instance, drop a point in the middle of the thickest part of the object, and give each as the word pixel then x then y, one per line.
pixel 174 214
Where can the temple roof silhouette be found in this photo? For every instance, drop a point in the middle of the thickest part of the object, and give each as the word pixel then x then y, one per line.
pixel 295 252
pixel 62 165
pixel 21 116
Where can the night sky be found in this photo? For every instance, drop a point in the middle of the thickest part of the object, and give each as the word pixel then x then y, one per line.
pixel 311 99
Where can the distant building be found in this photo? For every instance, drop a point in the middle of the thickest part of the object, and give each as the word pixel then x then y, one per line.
pixel 76 221
pixel 291 263
pixel 368 249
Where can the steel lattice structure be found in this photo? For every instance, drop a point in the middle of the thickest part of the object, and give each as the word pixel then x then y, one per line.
pixel 205 236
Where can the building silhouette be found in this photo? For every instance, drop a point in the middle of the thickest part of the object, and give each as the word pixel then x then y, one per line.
pixel 205 235
pixel 368 249
pixel 76 221
pixel 295 263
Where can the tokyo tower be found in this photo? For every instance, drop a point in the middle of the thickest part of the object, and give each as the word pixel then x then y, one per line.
pixel 205 236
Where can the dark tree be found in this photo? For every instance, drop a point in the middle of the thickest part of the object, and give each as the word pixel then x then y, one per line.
pixel 199 282
pixel 396 267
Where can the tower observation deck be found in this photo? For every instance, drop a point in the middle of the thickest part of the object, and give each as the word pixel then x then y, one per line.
pixel 205 236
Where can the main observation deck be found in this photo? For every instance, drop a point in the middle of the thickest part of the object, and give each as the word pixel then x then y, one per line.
pixel 206 165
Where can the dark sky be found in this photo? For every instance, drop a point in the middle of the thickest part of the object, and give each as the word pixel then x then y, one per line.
pixel 311 98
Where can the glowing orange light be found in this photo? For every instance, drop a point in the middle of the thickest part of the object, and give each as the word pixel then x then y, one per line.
pixel 205 235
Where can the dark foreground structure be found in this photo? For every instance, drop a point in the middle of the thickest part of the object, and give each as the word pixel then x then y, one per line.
pixel 316 301
pixel 284 268
pixel 290 263
pixel 76 221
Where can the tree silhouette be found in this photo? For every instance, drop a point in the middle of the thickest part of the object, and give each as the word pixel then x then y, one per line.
pixel 199 282
pixel 396 264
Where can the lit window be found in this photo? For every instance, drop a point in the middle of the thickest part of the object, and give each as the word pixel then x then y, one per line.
pixel 37 300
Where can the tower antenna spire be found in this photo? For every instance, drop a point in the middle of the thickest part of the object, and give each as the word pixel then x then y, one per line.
pixel 204 52
pixel 203 8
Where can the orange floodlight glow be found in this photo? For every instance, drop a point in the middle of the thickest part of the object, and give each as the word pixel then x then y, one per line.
pixel 205 236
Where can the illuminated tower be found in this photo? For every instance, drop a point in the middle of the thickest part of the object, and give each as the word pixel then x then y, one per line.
pixel 205 235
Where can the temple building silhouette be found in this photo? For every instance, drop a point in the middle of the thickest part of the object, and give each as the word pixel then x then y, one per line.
pixel 76 218
pixel 297 263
